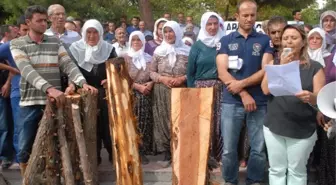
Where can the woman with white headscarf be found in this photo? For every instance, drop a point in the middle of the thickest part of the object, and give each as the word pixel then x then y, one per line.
pixel 317 46
pixel 328 24
pixel 202 69
pixel 158 36
pixel 90 53
pixel 138 63
pixel 326 158
pixel 168 70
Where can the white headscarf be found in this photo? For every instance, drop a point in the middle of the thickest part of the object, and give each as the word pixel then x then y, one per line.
pixel 139 58
pixel 204 36
pixel 86 55
pixel 156 25
pixel 178 48
pixel 322 52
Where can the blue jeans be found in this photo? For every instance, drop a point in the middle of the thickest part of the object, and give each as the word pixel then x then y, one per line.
pixel 29 119
pixel 232 119
pixel 16 114
pixel 6 129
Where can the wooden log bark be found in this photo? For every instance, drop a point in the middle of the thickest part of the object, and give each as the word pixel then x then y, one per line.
pixel 84 159
pixel 37 162
pixel 89 113
pixel 191 134
pixel 71 136
pixel 123 124
pixel 53 160
pixel 64 150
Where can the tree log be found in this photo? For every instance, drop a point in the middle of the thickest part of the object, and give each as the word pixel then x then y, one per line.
pixel 52 162
pixel 64 150
pixel 84 159
pixel 37 162
pixel 191 134
pixel 123 124
pixel 89 113
pixel 71 136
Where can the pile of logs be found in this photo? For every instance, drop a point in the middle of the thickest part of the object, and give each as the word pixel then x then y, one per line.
pixel 65 145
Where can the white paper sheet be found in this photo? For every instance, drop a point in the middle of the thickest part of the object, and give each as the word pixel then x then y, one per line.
pixel 284 80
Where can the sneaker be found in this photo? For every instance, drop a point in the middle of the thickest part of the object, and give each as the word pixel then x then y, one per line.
pixel 6 164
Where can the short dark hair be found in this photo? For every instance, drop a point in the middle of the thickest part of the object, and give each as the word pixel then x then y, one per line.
pixel 245 1
pixel 276 20
pixel 4 29
pixel 31 10
pixel 136 17
pixel 79 20
pixel 71 22
pixel 295 11
pixel 21 20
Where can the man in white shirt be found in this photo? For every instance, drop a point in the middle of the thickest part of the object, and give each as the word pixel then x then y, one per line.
pixel 121 46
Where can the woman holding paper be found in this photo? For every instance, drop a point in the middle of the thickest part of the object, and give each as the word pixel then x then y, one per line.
pixel 290 122
pixel 202 69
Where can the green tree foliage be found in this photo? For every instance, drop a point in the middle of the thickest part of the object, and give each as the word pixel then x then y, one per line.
pixel 311 14
pixel 112 9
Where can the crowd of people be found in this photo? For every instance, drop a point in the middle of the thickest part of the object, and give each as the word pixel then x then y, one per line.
pixel 37 62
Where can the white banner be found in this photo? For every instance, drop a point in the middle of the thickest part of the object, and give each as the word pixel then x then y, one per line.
pixel 231 26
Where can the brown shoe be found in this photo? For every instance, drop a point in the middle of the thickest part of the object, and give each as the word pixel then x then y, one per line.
pixel 23 167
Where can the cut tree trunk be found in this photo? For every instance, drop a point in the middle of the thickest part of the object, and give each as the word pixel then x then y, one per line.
pixel 52 162
pixel 64 150
pixel 84 159
pixel 37 162
pixel 89 115
pixel 191 134
pixel 146 13
pixel 123 124
pixel 71 136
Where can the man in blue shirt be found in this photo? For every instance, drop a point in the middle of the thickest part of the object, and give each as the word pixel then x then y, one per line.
pixel 5 54
pixel 134 26
pixel 110 35
pixel 242 95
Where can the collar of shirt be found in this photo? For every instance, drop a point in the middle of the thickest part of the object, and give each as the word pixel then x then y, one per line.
pixel 57 34
pixel 252 34
pixel 29 40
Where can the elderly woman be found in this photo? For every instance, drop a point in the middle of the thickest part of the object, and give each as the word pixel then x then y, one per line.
pixel 290 122
pixel 168 70
pixel 202 69
pixel 158 36
pixel 121 46
pixel 317 45
pixel 328 23
pixel 325 148
pixel 90 53
pixel 138 63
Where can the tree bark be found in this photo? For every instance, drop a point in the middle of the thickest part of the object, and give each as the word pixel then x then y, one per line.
pixel 89 113
pixel 64 150
pixel 71 135
pixel 191 134
pixel 84 159
pixel 37 162
pixel 146 13
pixel 123 124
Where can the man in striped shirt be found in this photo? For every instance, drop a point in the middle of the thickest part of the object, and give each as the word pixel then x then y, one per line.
pixel 40 59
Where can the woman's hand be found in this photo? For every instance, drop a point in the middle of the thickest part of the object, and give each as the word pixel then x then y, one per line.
pixel 320 119
pixel 166 81
pixel 286 59
pixel 304 96
pixel 178 81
